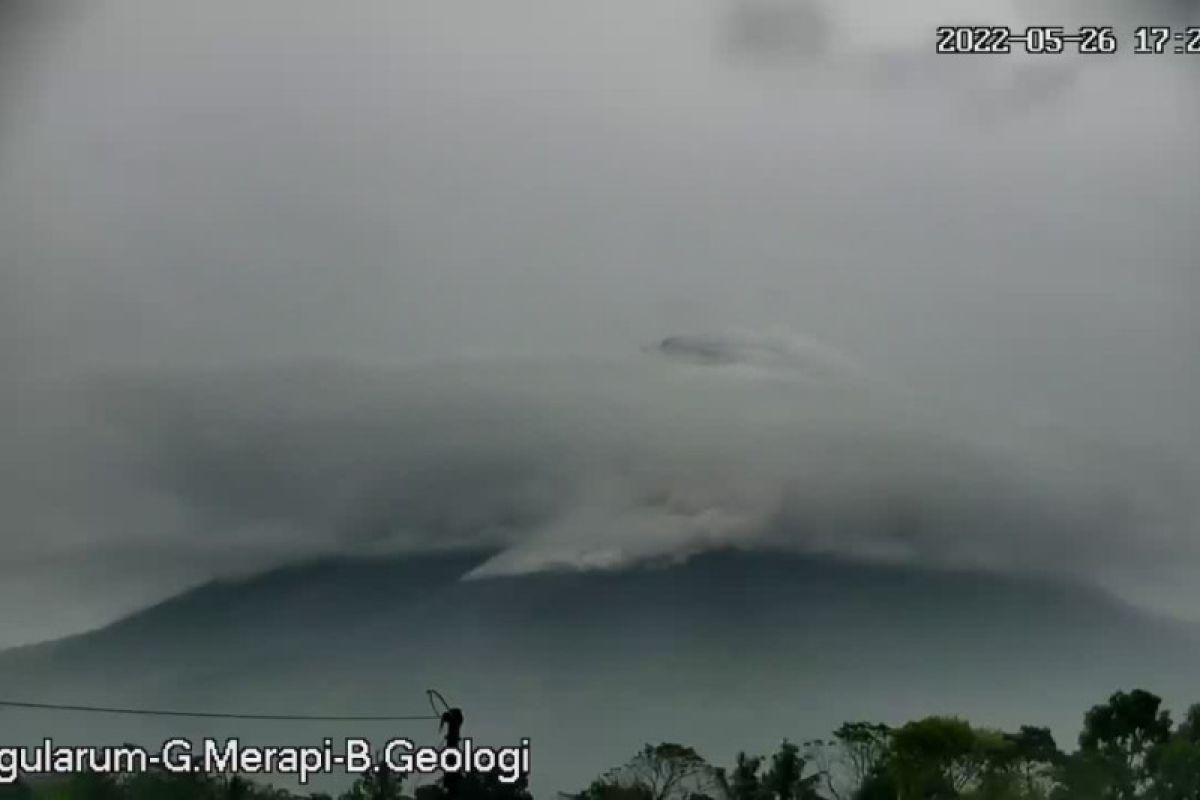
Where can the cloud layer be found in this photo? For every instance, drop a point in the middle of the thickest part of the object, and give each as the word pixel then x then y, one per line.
pixel 281 281
pixel 578 465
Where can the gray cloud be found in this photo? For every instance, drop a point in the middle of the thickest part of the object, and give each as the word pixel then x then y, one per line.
pixel 580 465
pixel 820 41
pixel 764 31
pixel 779 354
pixel 524 193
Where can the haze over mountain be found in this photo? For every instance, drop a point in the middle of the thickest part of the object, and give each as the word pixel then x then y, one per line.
pixel 711 370
pixel 724 651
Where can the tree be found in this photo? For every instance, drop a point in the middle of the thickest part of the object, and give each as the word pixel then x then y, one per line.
pixel 666 771
pixel 160 784
pixel 86 786
pixel 853 761
pixel 1176 770
pixel 601 789
pixel 478 786
pixel 17 790
pixel 671 771
pixel 785 780
pixel 378 783
pixel 1120 739
pixel 935 757
pixel 743 783
pixel 1082 776
pixel 1035 755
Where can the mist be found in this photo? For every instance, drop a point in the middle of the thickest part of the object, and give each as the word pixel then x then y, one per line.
pixel 588 288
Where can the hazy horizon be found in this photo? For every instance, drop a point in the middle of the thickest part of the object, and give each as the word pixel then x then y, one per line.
pixel 591 287
pixel 726 651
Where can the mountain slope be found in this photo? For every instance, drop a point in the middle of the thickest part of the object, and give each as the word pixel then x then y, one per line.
pixel 726 651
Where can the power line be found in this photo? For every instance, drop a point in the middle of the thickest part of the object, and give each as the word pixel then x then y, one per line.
pixel 158 712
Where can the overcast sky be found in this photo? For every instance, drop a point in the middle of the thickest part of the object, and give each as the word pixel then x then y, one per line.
pixel 980 272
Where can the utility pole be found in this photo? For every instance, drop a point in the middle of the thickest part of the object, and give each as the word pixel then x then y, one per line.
pixel 451 719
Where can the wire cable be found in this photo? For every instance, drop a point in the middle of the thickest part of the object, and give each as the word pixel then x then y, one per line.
pixel 158 712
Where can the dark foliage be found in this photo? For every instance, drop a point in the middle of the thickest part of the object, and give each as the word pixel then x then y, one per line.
pixel 1129 749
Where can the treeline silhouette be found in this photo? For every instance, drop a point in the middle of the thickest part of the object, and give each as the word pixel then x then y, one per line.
pixel 1129 749
pixel 379 783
